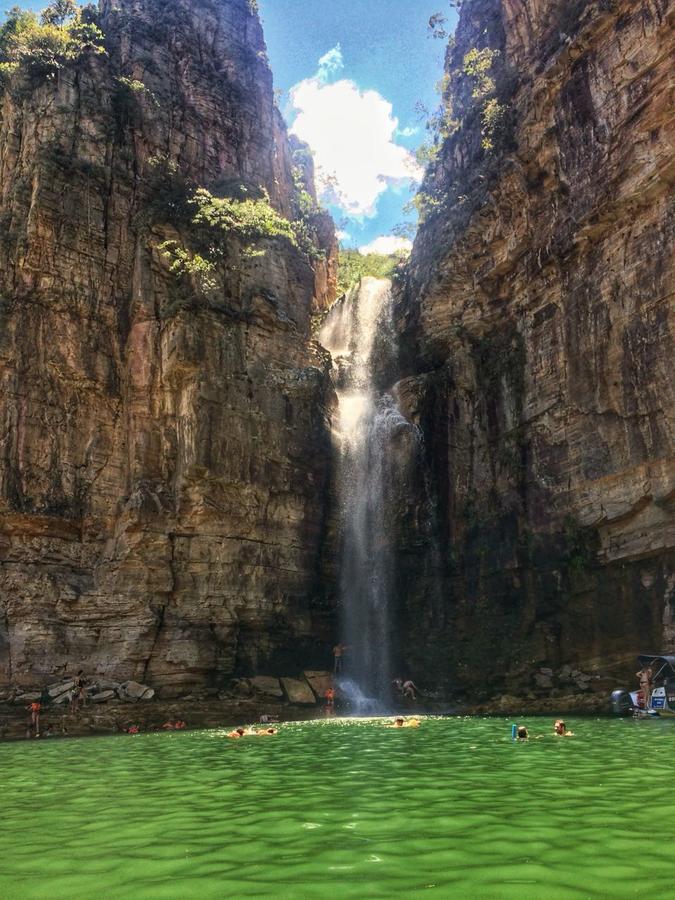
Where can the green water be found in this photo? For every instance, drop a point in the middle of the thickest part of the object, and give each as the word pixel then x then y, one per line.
pixel 344 809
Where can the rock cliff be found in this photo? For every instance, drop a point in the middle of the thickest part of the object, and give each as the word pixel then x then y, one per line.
pixel 537 347
pixel 163 412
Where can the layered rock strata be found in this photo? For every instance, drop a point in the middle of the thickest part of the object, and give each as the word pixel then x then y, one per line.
pixel 164 440
pixel 537 336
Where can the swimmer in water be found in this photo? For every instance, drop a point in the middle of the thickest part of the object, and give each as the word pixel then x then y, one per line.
pixel 400 722
pixel 560 729
pixel 521 733
pixel 267 731
pixel 236 734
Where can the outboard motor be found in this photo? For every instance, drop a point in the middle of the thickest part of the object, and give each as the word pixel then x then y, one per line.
pixel 622 704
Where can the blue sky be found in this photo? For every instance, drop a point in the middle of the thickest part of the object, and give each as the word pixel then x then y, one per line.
pixel 357 107
pixel 375 53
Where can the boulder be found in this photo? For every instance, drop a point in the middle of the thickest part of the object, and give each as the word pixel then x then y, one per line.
pixel 62 698
pixel 543 681
pixel 106 684
pixel 103 697
pixel 132 690
pixel 319 682
pixel 267 685
pixel 29 697
pixel 55 690
pixel 298 691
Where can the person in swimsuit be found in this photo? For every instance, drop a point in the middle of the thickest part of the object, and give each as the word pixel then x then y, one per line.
pixel 329 697
pixel 35 717
pixel 559 728
pixel 645 675
pixel 236 734
pixel 521 733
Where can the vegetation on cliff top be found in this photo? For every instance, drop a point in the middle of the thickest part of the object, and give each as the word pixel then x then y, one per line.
pixel 41 45
pixel 353 266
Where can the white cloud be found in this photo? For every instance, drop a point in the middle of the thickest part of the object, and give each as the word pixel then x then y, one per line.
pixel 330 64
pixel 343 236
pixel 387 244
pixel 407 132
pixel 351 133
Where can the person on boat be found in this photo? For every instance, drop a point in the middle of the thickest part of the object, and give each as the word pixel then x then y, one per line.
pixel 560 729
pixel 646 675
pixel 338 656
pixel 522 733
pixel 236 734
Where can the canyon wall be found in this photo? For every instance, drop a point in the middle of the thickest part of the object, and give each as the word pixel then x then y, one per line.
pixel 536 324
pixel 164 435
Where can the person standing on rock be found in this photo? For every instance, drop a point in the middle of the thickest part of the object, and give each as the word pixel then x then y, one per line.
pixel 35 717
pixel 329 697
pixel 338 655
pixel 78 692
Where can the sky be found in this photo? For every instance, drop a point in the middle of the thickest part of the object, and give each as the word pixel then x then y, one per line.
pixel 352 73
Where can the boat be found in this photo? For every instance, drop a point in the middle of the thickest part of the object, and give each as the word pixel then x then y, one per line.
pixel 660 700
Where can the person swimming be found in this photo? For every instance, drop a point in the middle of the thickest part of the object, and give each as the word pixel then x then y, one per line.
pixel 400 722
pixel 236 734
pixel 560 729
pixel 522 733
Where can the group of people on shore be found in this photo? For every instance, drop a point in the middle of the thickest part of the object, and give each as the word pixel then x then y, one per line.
pixel 76 695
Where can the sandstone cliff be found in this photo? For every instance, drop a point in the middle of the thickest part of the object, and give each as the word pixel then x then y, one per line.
pixel 163 434
pixel 537 342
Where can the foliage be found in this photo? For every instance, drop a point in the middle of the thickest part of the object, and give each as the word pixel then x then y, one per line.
pixel 438 21
pixel 424 204
pixel 210 222
pixel 479 66
pixel 250 220
pixel 63 34
pixel 353 266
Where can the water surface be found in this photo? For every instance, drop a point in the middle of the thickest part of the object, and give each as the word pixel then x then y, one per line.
pixel 344 809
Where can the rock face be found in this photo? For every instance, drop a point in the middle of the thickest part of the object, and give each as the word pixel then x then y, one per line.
pixel 164 445
pixel 537 346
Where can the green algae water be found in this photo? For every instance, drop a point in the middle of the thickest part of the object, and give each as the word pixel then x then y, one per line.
pixel 344 809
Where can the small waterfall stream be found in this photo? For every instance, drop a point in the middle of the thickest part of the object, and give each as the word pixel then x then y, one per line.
pixel 359 334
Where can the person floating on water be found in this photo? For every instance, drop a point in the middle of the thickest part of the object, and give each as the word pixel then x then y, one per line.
pixel 559 728
pixel 338 655
pixel 521 733
pixel 400 722
pixel 251 732
pixel 646 675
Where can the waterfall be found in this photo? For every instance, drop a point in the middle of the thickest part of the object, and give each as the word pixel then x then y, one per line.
pixel 368 436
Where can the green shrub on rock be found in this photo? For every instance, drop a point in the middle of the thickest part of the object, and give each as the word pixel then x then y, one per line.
pixel 40 46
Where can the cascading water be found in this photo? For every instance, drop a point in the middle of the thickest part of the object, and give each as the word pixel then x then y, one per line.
pixel 358 333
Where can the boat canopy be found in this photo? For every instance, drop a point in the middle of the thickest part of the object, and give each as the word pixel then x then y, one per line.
pixel 658 663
